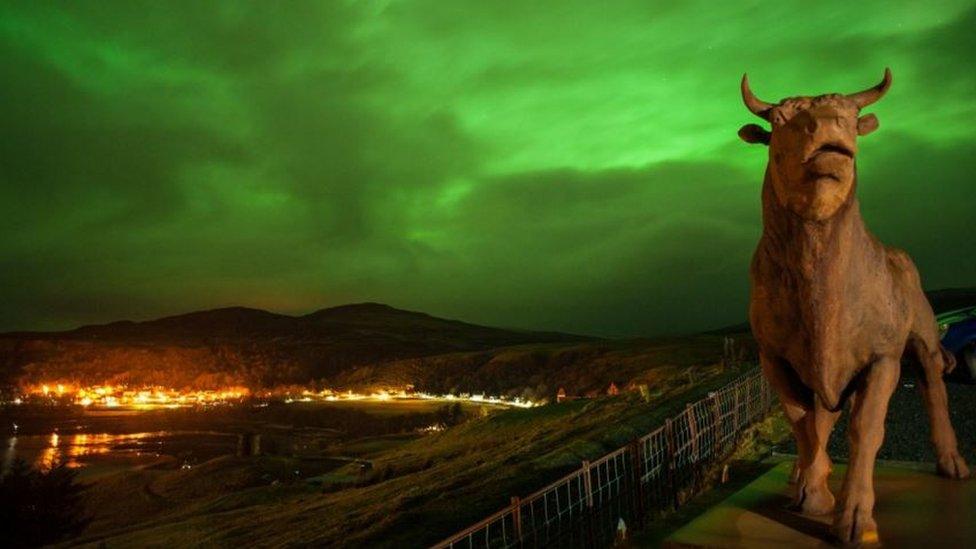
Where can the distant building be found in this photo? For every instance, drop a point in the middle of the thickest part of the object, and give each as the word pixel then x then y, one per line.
pixel 613 390
pixel 248 444
pixel 561 395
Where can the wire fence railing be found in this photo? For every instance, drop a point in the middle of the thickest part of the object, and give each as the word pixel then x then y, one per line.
pixel 653 474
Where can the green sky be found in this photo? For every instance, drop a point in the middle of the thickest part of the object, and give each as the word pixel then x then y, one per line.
pixel 568 165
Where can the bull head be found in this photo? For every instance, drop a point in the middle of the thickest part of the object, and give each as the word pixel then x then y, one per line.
pixel 812 145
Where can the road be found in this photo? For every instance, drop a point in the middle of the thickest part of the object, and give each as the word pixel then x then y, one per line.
pixel 907 429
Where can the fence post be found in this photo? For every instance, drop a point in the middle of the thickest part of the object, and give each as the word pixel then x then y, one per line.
pixel 672 482
pixel 517 519
pixel 750 402
pixel 716 422
pixel 735 411
pixel 693 429
pixel 587 483
pixel 588 488
pixel 636 477
pixel 762 399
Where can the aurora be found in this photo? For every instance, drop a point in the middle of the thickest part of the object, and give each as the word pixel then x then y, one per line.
pixel 566 166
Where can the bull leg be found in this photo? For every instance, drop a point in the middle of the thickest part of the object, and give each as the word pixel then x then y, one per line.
pixel 812 492
pixel 932 387
pixel 796 401
pixel 854 521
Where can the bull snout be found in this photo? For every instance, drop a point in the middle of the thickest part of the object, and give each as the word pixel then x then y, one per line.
pixel 837 147
pixel 828 132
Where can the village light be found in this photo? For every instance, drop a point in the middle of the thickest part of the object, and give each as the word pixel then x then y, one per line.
pixel 146 398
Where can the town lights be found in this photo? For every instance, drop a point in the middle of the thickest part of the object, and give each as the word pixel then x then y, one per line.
pixel 112 396
pixel 146 398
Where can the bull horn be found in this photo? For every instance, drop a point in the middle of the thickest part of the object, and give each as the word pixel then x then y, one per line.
pixel 864 98
pixel 758 107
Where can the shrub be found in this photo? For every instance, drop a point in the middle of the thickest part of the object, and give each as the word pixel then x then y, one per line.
pixel 40 506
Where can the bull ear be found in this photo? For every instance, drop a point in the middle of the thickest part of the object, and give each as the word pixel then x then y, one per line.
pixel 867 124
pixel 753 133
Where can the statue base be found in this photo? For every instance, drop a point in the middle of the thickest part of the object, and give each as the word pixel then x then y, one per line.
pixel 915 508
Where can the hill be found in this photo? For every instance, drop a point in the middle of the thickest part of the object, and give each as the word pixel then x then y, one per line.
pixel 245 346
pixel 951 298
pixel 538 371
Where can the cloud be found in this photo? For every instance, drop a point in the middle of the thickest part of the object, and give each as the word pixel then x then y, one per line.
pixel 573 168
pixel 918 196
pixel 620 245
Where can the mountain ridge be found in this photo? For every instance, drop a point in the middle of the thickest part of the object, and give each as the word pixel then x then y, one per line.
pixel 222 318
pixel 358 346
pixel 254 347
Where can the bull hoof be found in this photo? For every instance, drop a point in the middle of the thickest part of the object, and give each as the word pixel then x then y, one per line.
pixel 813 499
pixel 854 527
pixel 854 524
pixel 818 501
pixel 952 465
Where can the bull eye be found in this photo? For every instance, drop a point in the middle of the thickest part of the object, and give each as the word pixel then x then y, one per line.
pixel 810 125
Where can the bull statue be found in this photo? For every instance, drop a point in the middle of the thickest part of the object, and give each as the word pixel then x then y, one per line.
pixel 833 310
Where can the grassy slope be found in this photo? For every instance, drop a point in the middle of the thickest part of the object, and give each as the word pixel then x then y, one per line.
pixel 424 489
pixel 537 371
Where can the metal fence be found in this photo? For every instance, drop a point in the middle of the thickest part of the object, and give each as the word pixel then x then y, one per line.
pixel 653 474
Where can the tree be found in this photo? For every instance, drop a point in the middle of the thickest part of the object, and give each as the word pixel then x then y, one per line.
pixel 40 507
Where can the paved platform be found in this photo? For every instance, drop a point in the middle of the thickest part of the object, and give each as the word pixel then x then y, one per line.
pixel 915 508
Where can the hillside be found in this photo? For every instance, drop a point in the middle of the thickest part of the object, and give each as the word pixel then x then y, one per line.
pixel 246 346
pixel 538 371
pixel 418 491
pixel 951 298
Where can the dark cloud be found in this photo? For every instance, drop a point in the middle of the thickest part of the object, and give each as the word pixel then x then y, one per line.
pixel 658 249
pixel 919 197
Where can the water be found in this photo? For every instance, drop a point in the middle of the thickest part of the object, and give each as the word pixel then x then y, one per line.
pixel 96 454
pixel 99 441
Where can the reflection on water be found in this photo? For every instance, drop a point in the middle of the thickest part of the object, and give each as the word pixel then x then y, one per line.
pixel 10 450
pixel 71 451
pixel 113 450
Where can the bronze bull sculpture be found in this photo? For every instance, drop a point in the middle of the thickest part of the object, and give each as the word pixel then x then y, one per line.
pixel 834 310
